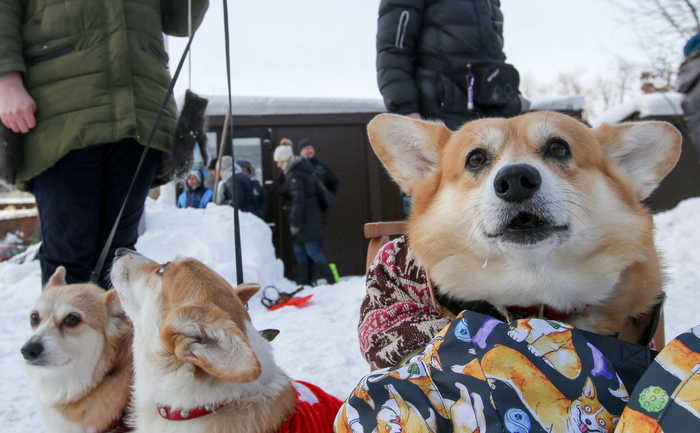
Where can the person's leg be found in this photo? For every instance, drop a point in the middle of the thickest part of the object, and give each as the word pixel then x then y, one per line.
pixel 68 200
pixel 121 159
pixel 313 249
pixel 302 266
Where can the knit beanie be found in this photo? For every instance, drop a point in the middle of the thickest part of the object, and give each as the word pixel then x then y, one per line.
pixel 195 172
pixel 692 45
pixel 282 153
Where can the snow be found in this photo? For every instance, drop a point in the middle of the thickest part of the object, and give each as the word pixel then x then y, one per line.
pixel 18 213
pixel 318 343
pixel 651 105
pixel 570 103
pixel 270 105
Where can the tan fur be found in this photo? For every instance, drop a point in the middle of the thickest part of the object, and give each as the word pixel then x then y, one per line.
pixel 604 186
pixel 633 421
pixel 110 394
pixel 194 296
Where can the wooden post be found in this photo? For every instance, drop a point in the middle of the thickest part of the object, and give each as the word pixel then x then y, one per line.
pixel 224 136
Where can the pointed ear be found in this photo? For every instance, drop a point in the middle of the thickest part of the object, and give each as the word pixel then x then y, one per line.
pixel 646 151
pixel 269 334
pixel 408 148
pixel 58 278
pixel 246 291
pixel 209 340
pixel 589 390
pixel 117 322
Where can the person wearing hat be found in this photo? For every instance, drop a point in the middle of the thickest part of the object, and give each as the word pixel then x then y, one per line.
pixel 258 199
pixel 196 194
pixel 688 78
pixel 305 214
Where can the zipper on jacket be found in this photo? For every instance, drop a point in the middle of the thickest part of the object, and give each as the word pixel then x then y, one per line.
pixel 49 56
pixel 401 28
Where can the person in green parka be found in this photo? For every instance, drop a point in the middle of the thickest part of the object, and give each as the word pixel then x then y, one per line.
pixel 83 81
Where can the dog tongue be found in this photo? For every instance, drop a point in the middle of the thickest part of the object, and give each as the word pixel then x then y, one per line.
pixel 583 428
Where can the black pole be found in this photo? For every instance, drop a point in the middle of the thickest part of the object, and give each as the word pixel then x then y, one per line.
pixel 236 224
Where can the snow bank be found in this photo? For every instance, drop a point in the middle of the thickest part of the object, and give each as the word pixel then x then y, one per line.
pixel 318 343
pixel 572 103
pixel 653 104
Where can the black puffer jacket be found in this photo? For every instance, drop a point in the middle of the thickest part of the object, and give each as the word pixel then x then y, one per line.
pixel 424 47
pixel 305 215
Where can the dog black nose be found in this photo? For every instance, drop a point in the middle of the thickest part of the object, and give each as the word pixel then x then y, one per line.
pixel 518 182
pixel 122 252
pixel 32 350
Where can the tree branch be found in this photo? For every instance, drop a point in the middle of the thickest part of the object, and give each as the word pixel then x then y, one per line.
pixel 694 12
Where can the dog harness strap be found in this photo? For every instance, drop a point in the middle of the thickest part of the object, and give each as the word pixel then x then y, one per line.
pixel 184 414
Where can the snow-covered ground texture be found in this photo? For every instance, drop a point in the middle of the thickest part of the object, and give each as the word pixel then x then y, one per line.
pixel 650 105
pixel 317 343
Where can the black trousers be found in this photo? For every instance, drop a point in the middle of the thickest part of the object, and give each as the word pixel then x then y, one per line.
pixel 78 201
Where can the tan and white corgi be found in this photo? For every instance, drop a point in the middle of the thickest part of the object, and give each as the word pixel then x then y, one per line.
pixel 536 210
pixel 79 357
pixel 200 365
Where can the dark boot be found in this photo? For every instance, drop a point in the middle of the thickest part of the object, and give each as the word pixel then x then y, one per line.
pixel 326 272
pixel 302 275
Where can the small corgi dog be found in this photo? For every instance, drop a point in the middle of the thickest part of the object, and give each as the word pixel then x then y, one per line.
pixel 79 357
pixel 537 211
pixel 199 363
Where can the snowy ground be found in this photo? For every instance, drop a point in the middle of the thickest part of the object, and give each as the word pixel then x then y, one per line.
pixel 317 343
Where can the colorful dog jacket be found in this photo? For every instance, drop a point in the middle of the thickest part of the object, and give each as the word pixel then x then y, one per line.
pixel 479 374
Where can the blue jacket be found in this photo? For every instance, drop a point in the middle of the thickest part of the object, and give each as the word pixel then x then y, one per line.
pixel 197 198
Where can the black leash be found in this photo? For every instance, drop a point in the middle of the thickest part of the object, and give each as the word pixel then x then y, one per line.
pixel 97 271
pixel 236 224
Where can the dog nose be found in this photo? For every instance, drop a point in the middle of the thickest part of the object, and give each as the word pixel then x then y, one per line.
pixel 517 182
pixel 122 252
pixel 32 350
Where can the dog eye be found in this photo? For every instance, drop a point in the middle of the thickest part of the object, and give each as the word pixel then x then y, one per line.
pixel 34 318
pixel 476 159
pixel 71 320
pixel 587 409
pixel 161 270
pixel 601 422
pixel 557 148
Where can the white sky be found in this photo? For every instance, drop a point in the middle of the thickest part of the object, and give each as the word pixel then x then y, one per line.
pixel 327 47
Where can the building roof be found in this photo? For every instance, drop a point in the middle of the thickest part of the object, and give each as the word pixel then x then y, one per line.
pixel 650 105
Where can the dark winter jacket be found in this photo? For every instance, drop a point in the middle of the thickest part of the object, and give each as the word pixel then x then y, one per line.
pixel 305 215
pixel 195 197
pixel 329 179
pixel 243 198
pixel 258 199
pixel 689 83
pixel 423 49
pixel 97 70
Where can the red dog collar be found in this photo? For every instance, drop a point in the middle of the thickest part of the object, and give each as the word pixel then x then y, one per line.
pixel 184 414
pixel 543 311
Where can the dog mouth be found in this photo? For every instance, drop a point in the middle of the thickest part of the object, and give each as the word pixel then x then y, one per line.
pixel 528 228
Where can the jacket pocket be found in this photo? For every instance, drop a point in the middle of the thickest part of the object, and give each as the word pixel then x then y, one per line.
pixel 51 54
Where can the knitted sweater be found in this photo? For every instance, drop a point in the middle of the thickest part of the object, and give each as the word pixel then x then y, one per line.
pixel 399 314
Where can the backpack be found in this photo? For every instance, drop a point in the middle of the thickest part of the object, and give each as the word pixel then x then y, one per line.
pixel 325 197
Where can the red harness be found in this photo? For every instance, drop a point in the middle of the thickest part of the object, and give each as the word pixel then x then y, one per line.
pixel 118 425
pixel 314 412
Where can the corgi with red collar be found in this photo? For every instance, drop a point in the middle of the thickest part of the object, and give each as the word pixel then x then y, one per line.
pixel 199 363
pixel 538 213
pixel 79 357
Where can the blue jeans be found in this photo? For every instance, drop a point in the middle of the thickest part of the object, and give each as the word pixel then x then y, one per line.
pixel 310 249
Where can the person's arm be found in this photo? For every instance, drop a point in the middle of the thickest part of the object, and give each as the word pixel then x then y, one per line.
pixel 16 105
pixel 398 32
pixel 206 198
pixel 174 15
pixel 182 200
pixel 296 196
pixel 394 322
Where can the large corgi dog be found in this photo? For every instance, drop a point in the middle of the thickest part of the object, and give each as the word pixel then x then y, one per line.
pixel 551 408
pixel 79 357
pixel 199 364
pixel 537 211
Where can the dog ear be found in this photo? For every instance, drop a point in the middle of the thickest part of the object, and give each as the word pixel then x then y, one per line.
pixel 246 291
pixel 58 278
pixel 408 148
pixel 117 322
pixel 645 151
pixel 211 341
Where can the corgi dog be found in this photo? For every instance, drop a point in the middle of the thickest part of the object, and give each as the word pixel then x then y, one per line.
pixel 551 341
pixel 199 363
pixel 398 415
pixel 536 211
pixel 553 411
pixel 79 357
